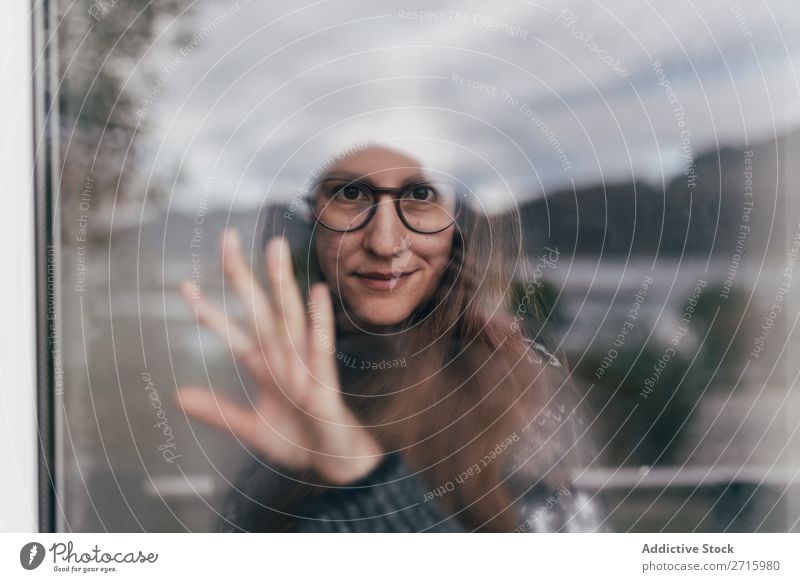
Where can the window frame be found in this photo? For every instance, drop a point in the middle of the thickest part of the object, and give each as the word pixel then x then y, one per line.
pixel 45 179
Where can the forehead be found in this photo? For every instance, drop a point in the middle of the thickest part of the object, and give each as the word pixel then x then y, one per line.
pixel 379 163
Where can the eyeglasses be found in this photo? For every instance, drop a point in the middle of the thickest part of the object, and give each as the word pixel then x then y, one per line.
pixel 345 205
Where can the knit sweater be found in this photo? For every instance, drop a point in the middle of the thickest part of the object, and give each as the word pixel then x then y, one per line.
pixel 389 499
pixel 392 499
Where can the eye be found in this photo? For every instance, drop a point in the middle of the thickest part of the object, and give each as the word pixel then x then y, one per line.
pixel 350 193
pixel 423 193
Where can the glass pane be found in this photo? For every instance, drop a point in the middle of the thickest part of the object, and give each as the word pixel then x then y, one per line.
pixel 629 167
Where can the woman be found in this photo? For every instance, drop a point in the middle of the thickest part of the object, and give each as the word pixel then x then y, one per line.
pixel 403 396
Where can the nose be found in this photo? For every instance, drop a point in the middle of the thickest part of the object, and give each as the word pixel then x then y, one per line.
pixel 385 233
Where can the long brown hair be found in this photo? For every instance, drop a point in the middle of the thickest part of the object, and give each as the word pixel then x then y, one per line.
pixel 467 383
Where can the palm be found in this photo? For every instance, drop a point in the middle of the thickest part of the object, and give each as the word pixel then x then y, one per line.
pixel 299 419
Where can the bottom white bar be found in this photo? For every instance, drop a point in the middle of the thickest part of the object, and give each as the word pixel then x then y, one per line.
pixel 388 557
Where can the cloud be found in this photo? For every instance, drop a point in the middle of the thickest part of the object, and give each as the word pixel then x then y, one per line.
pixel 272 91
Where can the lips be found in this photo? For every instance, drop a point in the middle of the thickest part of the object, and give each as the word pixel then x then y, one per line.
pixel 383 280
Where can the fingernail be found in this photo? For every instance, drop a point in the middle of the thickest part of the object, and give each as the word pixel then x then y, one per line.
pixel 287 254
pixel 280 250
pixel 233 239
pixel 190 292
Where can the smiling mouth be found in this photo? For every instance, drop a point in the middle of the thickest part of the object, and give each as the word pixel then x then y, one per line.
pixel 384 281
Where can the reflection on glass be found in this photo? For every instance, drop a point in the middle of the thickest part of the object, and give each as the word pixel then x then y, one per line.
pixel 626 239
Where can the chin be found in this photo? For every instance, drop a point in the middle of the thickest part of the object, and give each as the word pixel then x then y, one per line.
pixel 381 318
pixel 379 321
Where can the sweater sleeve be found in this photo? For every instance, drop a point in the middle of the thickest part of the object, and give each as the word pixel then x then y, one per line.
pixel 388 499
pixel 391 499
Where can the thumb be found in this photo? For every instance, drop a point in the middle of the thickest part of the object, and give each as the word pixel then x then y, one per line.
pixel 220 412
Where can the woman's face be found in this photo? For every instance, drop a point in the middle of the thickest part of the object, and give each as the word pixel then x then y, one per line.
pixel 383 271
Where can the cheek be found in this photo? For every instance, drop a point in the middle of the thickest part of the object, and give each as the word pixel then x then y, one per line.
pixel 333 249
pixel 436 252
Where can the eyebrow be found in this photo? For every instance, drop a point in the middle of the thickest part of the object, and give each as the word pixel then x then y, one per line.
pixel 366 180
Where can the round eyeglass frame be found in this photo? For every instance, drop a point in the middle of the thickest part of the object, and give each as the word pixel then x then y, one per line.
pixel 373 190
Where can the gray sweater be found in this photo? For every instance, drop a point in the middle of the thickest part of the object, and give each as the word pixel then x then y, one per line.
pixel 392 499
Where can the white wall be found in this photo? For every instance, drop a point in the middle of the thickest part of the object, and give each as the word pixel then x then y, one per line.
pixel 18 444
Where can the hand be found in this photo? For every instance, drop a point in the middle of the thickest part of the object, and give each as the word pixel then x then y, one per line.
pixel 300 419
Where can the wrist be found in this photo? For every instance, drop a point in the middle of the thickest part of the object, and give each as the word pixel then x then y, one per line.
pixel 364 455
pixel 348 450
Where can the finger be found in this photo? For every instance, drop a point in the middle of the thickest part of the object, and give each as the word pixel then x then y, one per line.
pixel 241 343
pixel 291 313
pixel 255 304
pixel 204 405
pixel 215 319
pixel 245 424
pixel 322 338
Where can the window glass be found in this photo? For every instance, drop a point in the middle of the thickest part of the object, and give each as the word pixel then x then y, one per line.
pixel 642 151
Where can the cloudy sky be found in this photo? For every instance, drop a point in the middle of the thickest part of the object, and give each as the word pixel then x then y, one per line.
pixel 517 99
